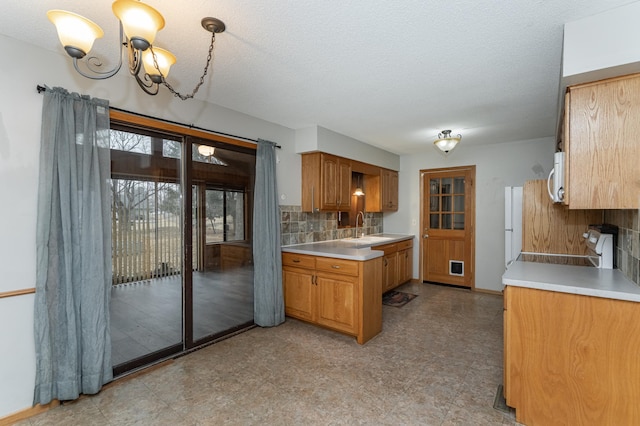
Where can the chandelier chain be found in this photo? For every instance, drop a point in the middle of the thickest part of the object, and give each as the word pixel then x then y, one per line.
pixel 204 73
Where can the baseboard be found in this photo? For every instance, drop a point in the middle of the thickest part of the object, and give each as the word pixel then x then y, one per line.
pixel 27 413
pixel 39 409
pixel 493 292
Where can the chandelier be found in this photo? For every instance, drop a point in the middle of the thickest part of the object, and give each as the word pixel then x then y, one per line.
pixel 139 24
pixel 446 142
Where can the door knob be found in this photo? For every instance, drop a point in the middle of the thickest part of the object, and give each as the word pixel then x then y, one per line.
pixel 425 236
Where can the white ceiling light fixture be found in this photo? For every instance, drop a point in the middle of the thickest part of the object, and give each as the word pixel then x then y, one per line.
pixel 139 24
pixel 206 150
pixel 446 142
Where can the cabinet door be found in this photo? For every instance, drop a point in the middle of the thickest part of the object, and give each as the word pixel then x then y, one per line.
pixel 344 184
pixel 405 265
pixel 389 190
pixel 299 293
pixel 390 271
pixel 330 174
pixel 338 302
pixel 604 144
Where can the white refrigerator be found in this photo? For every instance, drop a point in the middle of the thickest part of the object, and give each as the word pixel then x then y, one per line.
pixel 512 223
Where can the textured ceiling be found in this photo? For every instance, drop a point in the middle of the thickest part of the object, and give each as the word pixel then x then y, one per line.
pixel 388 73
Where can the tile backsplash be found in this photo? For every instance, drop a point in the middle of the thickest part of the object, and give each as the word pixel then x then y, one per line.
pixel 298 227
pixel 628 246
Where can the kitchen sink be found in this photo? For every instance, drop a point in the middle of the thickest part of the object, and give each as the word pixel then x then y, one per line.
pixel 368 239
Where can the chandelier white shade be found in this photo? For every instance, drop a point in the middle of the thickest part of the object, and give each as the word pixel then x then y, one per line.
pixel 140 22
pixel 446 142
pixel 139 25
pixel 163 59
pixel 75 31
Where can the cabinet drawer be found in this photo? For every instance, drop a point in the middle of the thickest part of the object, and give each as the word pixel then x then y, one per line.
pixel 337 266
pixel 386 248
pixel 298 260
pixel 405 244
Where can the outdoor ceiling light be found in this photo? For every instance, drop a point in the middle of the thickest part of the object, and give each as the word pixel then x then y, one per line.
pixel 446 142
pixel 139 24
pixel 206 150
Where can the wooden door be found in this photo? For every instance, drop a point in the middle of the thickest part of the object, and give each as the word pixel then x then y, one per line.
pixel 448 222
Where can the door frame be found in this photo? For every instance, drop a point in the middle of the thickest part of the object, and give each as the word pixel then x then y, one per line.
pixel 472 218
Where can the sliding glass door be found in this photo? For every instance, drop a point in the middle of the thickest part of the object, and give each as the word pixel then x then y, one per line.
pixel 182 263
pixel 147 242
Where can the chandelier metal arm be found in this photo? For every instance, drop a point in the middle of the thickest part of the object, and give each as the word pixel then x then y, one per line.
pixel 204 73
pixel 92 63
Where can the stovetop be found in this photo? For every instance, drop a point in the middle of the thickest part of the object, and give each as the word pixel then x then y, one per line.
pixel 559 259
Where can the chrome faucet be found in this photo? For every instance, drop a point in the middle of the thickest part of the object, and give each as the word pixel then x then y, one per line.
pixel 360 213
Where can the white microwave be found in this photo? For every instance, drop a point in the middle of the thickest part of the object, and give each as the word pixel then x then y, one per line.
pixel 555 182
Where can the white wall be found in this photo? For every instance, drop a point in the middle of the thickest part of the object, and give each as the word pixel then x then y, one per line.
pixel 318 138
pixel 497 166
pixel 20 120
pixel 602 46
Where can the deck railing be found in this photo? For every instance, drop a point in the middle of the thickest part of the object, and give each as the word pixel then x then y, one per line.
pixel 146 242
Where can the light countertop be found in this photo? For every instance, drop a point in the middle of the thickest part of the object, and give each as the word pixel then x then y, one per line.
pixel 348 248
pixel 583 280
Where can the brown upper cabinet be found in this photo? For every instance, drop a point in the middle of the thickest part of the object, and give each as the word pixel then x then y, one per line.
pixel 601 140
pixel 326 184
pixel 389 190
pixel 381 191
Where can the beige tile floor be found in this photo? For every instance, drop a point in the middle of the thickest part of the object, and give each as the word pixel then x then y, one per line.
pixel 438 361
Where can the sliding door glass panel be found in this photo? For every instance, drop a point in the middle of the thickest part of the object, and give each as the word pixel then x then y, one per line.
pixel 146 295
pixel 223 277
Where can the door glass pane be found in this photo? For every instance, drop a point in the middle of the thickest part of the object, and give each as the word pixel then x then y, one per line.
pixel 446 221
pixel 434 186
pixel 434 221
pixel 214 210
pixel 458 221
pixel 446 186
pixel 434 204
pixel 446 203
pixel 458 185
pixel 223 278
pixel 234 216
pixel 146 295
pixel 458 203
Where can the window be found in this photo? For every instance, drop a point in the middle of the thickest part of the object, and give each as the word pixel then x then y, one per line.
pixel 225 219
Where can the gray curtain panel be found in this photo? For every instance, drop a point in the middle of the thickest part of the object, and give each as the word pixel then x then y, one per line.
pixel 268 304
pixel 73 243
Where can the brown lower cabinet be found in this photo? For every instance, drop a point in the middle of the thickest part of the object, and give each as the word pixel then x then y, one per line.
pixel 571 359
pixel 342 295
pixel 397 263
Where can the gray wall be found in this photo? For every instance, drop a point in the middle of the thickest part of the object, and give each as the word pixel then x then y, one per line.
pixel 20 118
pixel 497 166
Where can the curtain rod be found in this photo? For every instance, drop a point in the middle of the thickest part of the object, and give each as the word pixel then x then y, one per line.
pixel 41 89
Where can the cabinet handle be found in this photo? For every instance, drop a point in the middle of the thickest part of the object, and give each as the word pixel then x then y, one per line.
pixel 386 262
pixel 313 209
pixel 296 260
pixel 335 266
